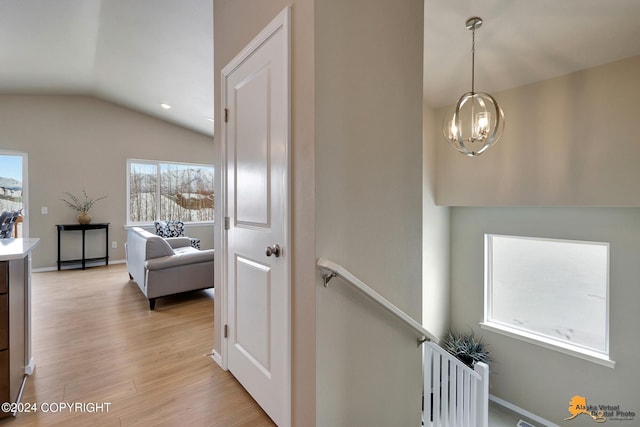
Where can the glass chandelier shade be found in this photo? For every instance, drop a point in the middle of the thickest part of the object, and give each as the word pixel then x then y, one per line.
pixel 477 121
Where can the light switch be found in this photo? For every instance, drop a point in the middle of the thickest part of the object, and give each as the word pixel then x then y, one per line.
pixel 44 210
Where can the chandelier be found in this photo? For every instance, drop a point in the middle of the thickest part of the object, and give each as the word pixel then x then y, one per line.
pixel 478 121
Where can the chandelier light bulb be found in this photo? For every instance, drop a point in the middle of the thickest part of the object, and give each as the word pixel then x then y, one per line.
pixel 481 125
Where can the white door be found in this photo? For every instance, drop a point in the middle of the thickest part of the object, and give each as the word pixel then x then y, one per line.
pixel 256 136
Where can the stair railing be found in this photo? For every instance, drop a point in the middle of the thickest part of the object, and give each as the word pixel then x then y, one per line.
pixel 454 394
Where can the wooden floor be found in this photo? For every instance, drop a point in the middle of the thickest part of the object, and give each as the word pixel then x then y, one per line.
pixel 95 341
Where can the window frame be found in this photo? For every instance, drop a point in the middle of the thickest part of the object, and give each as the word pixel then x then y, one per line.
pixel 25 186
pixel 157 164
pixel 534 337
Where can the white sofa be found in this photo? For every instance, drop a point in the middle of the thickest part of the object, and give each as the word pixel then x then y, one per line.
pixel 166 266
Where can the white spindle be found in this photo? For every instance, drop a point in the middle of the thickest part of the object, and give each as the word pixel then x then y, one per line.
pixel 482 396
pixel 460 398
pixel 427 370
pixel 454 394
pixel 436 388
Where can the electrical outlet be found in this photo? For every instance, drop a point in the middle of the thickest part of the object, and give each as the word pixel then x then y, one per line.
pixel 114 245
pixel 44 210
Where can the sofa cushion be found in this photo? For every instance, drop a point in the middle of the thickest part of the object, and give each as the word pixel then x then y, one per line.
pixel 178 242
pixel 158 247
pixel 181 258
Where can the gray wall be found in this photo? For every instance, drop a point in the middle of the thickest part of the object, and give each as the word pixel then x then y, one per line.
pixel 369 208
pixel 538 379
pixel 76 142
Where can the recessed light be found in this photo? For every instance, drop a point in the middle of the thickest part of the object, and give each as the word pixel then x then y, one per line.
pixel 165 106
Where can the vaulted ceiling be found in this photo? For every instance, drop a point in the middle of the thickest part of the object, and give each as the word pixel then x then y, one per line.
pixel 138 53
pixel 141 53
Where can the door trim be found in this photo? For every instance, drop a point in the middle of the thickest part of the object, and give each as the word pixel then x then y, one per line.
pixel 282 22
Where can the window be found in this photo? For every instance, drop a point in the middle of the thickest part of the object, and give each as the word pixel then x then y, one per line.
pixel 164 191
pixel 13 185
pixel 10 182
pixel 550 291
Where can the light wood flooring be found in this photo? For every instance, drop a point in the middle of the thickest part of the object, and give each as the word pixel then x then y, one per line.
pixel 95 340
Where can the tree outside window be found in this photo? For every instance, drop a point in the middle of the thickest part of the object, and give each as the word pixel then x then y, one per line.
pixel 11 192
pixel 170 191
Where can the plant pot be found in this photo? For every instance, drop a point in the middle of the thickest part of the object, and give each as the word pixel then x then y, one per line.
pixel 84 217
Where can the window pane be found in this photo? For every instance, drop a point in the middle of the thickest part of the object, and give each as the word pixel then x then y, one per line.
pixel 186 192
pixel 142 192
pixel 10 183
pixel 555 288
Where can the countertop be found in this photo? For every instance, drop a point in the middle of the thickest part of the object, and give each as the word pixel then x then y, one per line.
pixel 11 249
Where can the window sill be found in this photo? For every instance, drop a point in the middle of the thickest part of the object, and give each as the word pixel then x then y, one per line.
pixel 589 355
pixel 186 224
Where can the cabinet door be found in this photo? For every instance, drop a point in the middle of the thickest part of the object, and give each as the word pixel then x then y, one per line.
pixel 4 379
pixel 18 270
pixel 4 321
pixel 4 277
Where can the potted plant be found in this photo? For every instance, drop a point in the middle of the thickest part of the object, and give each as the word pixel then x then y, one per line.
pixel 466 348
pixel 82 206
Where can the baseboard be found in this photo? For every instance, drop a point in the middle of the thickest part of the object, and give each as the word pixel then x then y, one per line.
pixel 518 410
pixel 94 264
pixel 217 358
pixel 30 367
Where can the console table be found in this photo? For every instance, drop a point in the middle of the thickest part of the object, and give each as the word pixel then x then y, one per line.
pixel 84 228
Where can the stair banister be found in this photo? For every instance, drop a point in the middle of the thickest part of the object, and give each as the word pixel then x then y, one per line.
pixel 453 394
pixel 331 269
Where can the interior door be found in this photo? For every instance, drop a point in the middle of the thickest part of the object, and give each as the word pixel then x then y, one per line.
pixel 256 136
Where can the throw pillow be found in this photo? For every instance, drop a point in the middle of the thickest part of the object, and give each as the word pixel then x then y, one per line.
pixel 160 225
pixel 174 229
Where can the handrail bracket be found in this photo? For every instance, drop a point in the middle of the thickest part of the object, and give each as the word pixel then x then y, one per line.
pixel 326 277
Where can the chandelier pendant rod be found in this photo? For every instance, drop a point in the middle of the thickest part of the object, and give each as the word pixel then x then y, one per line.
pixel 473 60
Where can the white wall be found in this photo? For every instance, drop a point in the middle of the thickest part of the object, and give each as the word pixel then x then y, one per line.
pixel 538 379
pixel 369 208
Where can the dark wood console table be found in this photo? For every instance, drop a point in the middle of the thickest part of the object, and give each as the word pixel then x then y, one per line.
pixel 84 228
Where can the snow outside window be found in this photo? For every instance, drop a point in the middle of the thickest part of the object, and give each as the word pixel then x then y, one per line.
pixel 555 291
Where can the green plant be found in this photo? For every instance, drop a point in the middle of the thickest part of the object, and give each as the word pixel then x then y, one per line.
pixel 81 206
pixel 466 348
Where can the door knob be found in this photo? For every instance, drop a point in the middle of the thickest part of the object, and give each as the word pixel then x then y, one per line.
pixel 273 250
